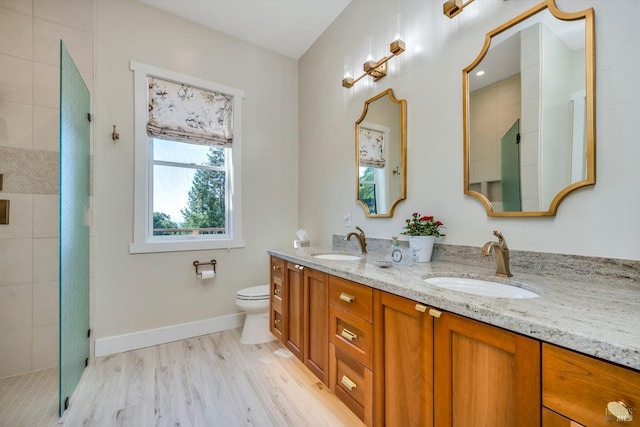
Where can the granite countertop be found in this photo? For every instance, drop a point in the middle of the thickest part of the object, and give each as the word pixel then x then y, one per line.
pixel 600 318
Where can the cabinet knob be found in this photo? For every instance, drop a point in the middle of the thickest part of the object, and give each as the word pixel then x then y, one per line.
pixel 276 322
pixel 421 308
pixel 435 313
pixel 299 267
pixel 620 410
pixel 276 291
pixel 348 335
pixel 346 381
pixel 276 267
pixel 347 298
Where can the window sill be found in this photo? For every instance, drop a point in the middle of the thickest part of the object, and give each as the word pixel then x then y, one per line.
pixel 183 245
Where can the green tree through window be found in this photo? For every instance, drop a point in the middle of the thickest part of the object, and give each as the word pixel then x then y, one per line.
pixel 368 189
pixel 162 220
pixel 205 211
pixel 206 204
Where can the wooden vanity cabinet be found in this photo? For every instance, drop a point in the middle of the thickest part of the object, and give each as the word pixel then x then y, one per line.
pixel 403 362
pixel 580 388
pixel 484 375
pixel 396 362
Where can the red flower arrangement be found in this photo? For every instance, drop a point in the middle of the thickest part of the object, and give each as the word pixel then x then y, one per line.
pixel 422 225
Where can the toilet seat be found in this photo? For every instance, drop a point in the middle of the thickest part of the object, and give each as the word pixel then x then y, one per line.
pixel 253 293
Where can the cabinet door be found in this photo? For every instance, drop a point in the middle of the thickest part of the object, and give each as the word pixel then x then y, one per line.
pixel 294 309
pixel 316 323
pixel 403 369
pixel 485 376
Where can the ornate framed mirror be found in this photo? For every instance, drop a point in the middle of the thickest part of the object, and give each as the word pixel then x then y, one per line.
pixel 529 112
pixel 381 154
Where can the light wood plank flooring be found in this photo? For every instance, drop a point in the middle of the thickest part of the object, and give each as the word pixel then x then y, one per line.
pixel 211 380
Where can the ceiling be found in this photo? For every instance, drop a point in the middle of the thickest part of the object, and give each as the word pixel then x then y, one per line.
pixel 288 27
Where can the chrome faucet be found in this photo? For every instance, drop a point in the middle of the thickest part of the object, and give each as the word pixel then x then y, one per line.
pixel 362 239
pixel 502 254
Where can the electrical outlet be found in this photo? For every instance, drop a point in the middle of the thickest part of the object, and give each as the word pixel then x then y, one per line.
pixel 347 219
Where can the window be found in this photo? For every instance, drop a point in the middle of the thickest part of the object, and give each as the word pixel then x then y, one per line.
pixel 187 157
pixel 373 146
pixel 368 194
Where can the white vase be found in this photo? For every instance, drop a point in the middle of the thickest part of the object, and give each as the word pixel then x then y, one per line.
pixel 422 246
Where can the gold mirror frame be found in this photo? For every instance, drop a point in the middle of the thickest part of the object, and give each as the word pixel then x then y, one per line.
pixel 400 171
pixel 587 15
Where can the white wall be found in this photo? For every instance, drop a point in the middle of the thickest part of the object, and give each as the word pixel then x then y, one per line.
pixel 144 291
pixel 597 221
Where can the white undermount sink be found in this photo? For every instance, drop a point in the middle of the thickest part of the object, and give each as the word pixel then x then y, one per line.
pixel 481 287
pixel 338 256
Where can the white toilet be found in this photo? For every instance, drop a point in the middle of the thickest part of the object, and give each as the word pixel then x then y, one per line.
pixel 255 302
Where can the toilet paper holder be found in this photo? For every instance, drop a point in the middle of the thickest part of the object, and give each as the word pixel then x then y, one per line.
pixel 197 264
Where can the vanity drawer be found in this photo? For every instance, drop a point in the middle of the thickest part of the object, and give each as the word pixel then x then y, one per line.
pixel 277 289
pixel 351 334
pixel 580 387
pixel 276 322
pixel 277 267
pixel 351 297
pixel 352 383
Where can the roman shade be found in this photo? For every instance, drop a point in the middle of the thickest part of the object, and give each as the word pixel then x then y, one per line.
pixel 371 146
pixel 185 113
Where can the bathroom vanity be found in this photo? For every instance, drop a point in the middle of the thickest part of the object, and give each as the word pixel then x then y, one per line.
pixel 399 351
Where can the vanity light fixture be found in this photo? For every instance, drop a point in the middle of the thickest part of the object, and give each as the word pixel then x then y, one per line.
pixel 376 69
pixel 453 7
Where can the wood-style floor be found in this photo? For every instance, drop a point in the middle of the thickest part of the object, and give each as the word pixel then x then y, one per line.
pixel 211 380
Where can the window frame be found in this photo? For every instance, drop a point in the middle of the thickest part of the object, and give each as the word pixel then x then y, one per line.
pixel 143 239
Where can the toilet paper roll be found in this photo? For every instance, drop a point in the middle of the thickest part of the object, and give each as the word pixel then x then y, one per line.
pixel 206 274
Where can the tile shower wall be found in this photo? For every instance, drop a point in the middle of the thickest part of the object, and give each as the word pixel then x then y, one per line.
pixel 30 33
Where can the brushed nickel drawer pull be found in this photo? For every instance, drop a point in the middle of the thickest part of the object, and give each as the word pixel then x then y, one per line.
pixel 346 381
pixel 348 335
pixel 299 267
pixel 421 308
pixel 435 313
pixel 347 298
pixel 620 410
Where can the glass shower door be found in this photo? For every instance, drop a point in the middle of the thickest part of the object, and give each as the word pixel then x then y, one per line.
pixel 74 231
pixel 510 169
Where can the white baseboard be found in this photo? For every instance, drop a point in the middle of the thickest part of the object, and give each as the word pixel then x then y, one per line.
pixel 136 340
